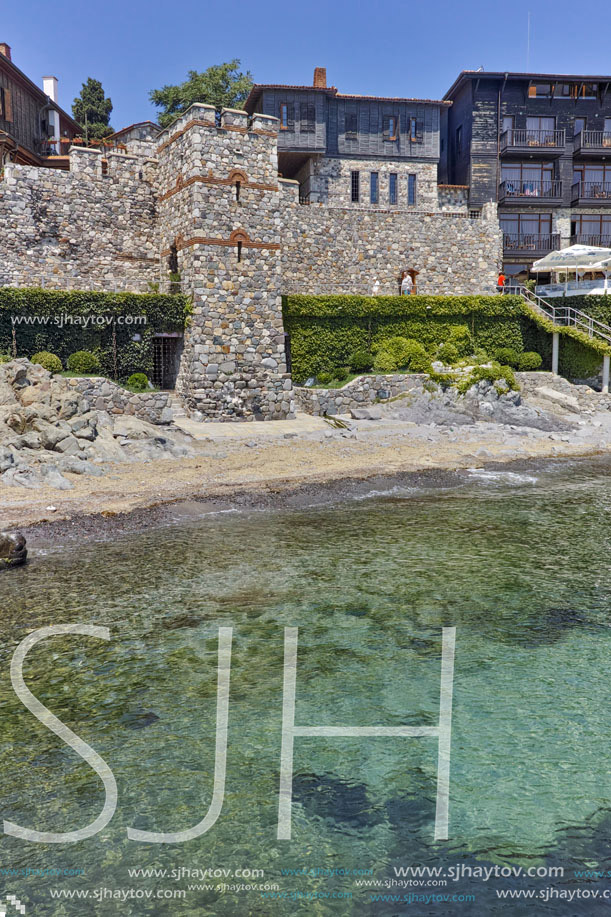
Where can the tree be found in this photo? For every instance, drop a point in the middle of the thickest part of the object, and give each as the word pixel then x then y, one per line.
pixel 222 85
pixel 92 111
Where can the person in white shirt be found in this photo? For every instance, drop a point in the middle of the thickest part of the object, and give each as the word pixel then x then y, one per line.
pixel 376 286
pixel 407 284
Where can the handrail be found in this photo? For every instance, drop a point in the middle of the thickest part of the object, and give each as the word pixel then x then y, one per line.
pixel 563 315
pixel 525 137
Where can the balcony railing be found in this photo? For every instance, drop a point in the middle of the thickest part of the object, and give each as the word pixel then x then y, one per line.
pixel 535 243
pixel 525 139
pixel 516 189
pixel 593 142
pixel 599 191
pixel 598 241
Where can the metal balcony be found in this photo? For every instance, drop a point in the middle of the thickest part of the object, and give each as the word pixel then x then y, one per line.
pixel 514 140
pixel 520 191
pixel 530 243
pixel 592 143
pixel 593 193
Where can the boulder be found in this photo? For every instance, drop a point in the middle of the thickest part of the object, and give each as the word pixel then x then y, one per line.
pixel 13 551
pixel 373 412
pixel 568 402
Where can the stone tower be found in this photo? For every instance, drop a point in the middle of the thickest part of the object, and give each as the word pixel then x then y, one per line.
pixel 220 226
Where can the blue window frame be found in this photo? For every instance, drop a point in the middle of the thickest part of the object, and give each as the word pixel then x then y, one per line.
pixel 373 188
pixel 411 189
pixel 392 188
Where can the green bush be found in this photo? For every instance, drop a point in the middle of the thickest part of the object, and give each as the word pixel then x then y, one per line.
pixel 48 361
pixel 460 337
pixel 324 378
pixel 83 361
pixel 138 382
pixel 5 358
pixel 507 356
pixel 529 361
pixel 342 373
pixel 384 362
pixel 361 361
pixel 501 377
pixel 448 353
pixel 577 361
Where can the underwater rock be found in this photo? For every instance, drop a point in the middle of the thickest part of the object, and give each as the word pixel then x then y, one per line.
pixel 13 551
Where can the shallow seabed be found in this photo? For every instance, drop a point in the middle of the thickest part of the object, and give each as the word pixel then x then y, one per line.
pixel 517 562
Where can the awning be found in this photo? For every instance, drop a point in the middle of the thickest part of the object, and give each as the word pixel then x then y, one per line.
pixel 575 258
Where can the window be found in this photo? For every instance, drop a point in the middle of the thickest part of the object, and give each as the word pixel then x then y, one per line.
pixel 287 116
pixel 459 140
pixel 6 105
pixel 540 131
pixel 588 91
pixel 373 188
pixel 411 189
pixel 563 91
pixel 351 125
pixel 540 91
pixel 307 118
pixel 415 130
pixel 390 127
pixel 392 188
pixel 355 183
pixel 579 126
pixel 591 229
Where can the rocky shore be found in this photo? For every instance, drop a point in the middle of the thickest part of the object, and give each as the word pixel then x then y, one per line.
pixel 61 460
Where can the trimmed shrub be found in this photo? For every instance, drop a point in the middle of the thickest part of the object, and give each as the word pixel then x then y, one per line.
pixel 342 373
pixel 577 361
pixel 507 357
pixel 501 377
pixel 361 361
pixel 529 361
pixel 324 378
pixel 48 361
pixel 138 382
pixel 83 361
pixel 384 362
pixel 460 337
pixel 448 353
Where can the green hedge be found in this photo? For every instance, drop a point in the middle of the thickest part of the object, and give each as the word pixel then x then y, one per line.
pixel 326 330
pixel 55 320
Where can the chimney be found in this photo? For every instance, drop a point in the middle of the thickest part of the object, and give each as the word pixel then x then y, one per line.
pixel 5 49
pixel 320 78
pixel 49 85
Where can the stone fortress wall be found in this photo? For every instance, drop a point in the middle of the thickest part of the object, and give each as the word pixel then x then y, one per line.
pixel 210 204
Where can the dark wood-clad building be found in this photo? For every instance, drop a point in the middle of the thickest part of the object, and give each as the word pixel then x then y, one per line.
pixel 33 128
pixel 539 145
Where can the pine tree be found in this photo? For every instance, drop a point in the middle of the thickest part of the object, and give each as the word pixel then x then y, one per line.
pixel 92 111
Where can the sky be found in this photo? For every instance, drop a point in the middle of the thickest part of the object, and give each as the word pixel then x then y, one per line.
pixel 386 47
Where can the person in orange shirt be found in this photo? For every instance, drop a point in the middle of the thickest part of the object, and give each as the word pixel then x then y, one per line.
pixel 501 282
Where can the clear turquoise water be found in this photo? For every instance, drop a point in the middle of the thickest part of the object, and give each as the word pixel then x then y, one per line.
pixel 518 564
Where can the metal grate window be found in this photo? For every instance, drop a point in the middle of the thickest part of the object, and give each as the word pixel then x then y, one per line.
pixel 392 188
pixel 411 189
pixel 351 124
pixel 373 188
pixel 355 185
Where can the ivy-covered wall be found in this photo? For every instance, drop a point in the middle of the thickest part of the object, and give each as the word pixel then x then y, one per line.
pixel 326 330
pixel 63 322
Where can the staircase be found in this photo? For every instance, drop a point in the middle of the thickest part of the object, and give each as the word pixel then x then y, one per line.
pixel 564 315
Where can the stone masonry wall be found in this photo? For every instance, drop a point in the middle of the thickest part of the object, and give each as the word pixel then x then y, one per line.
pixel 358 393
pixel 329 180
pixel 104 395
pixel 219 209
pixel 330 250
pixel 79 229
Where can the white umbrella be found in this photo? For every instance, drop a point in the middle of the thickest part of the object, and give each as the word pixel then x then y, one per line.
pixel 575 258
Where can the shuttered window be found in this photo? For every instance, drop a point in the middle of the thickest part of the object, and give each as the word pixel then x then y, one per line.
pixel 416 130
pixel 351 125
pixel 6 105
pixel 287 116
pixel 307 118
pixel 390 127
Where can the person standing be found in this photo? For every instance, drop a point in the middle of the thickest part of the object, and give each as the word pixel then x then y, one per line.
pixel 501 282
pixel 407 284
pixel 376 287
